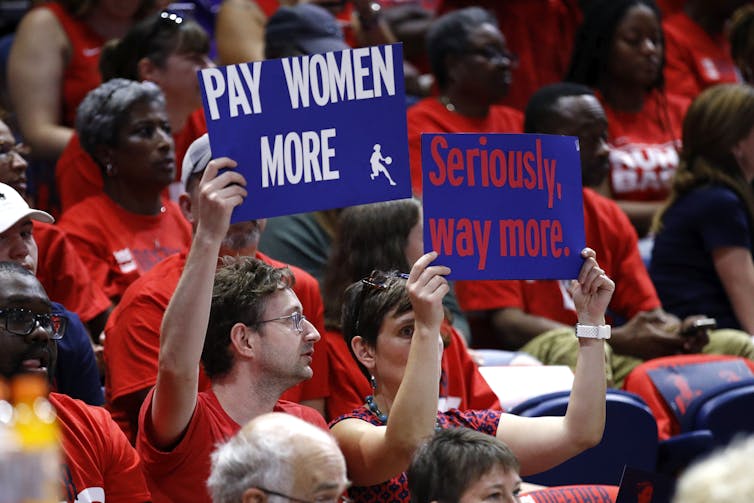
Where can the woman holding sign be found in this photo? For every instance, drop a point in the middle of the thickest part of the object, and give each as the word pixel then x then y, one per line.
pixel 392 323
pixel 388 235
pixel 124 231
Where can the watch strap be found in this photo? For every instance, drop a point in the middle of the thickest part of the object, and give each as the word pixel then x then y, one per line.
pixel 593 331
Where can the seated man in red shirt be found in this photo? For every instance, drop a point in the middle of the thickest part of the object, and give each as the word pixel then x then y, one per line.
pixel 61 271
pixel 248 330
pixel 538 316
pixel 133 331
pixel 99 462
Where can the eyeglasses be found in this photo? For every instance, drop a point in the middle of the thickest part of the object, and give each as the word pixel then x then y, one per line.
pixel 493 54
pixel 8 149
pixel 19 321
pixel 339 499
pixel 377 280
pixel 298 321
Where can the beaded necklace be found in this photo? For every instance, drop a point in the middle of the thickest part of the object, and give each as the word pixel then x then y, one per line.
pixel 375 409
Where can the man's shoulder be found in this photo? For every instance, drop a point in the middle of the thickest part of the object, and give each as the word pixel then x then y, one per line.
pixel 162 278
pixel 308 414
pixel 72 410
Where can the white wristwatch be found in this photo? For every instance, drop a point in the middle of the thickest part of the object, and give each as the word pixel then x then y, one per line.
pixel 593 331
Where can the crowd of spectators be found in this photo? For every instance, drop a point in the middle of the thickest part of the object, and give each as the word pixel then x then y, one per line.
pixel 190 343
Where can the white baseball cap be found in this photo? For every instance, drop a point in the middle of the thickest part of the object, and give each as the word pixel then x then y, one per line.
pixel 14 208
pixel 196 159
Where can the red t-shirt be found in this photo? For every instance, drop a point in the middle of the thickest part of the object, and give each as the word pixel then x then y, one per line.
pixel 539 32
pixel 461 385
pixel 133 336
pixel 431 116
pixel 694 60
pixel 181 474
pixel 644 147
pixel 81 73
pixel 77 175
pixel 64 276
pixel 118 246
pixel 100 463
pixel 612 236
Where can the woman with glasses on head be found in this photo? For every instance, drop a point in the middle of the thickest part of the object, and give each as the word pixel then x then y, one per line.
pixel 386 236
pixel 167 50
pixel 127 229
pixel 392 325
pixel 472 67
pixel 620 52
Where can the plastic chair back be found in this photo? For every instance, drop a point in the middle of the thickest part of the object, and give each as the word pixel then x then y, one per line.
pixel 725 410
pixel 630 438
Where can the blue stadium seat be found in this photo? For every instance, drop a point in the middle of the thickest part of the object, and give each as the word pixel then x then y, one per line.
pixel 630 438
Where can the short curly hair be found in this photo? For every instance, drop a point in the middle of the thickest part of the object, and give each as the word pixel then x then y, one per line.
pixel 105 109
pixel 240 293
pixel 449 35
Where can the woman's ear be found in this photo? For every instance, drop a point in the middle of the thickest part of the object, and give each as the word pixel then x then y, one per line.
pixel 241 338
pixel 103 156
pixel 363 351
pixel 452 68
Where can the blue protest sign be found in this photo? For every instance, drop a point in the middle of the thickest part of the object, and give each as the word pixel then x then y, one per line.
pixel 312 132
pixel 504 206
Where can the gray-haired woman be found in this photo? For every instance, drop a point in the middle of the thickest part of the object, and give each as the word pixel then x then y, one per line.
pixel 123 232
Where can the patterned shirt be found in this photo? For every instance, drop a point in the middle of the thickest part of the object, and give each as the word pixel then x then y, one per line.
pixel 396 489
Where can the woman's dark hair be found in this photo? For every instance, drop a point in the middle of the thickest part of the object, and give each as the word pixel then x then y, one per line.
pixel 741 36
pixel 449 35
pixel 719 118
pixel 365 306
pixel 155 38
pixel 594 40
pixel 370 236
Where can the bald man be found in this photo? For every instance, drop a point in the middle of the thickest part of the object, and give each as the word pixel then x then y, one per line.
pixel 277 454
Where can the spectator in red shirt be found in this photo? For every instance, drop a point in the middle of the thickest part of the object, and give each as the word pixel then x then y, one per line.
pixel 167 50
pixel 245 324
pixel 388 235
pixel 61 271
pixel 538 316
pixel 619 52
pixel 99 462
pixel 472 67
pixel 126 230
pixel 698 52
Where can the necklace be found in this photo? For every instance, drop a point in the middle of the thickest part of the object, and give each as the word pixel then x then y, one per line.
pixel 375 409
pixel 372 405
pixel 449 106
